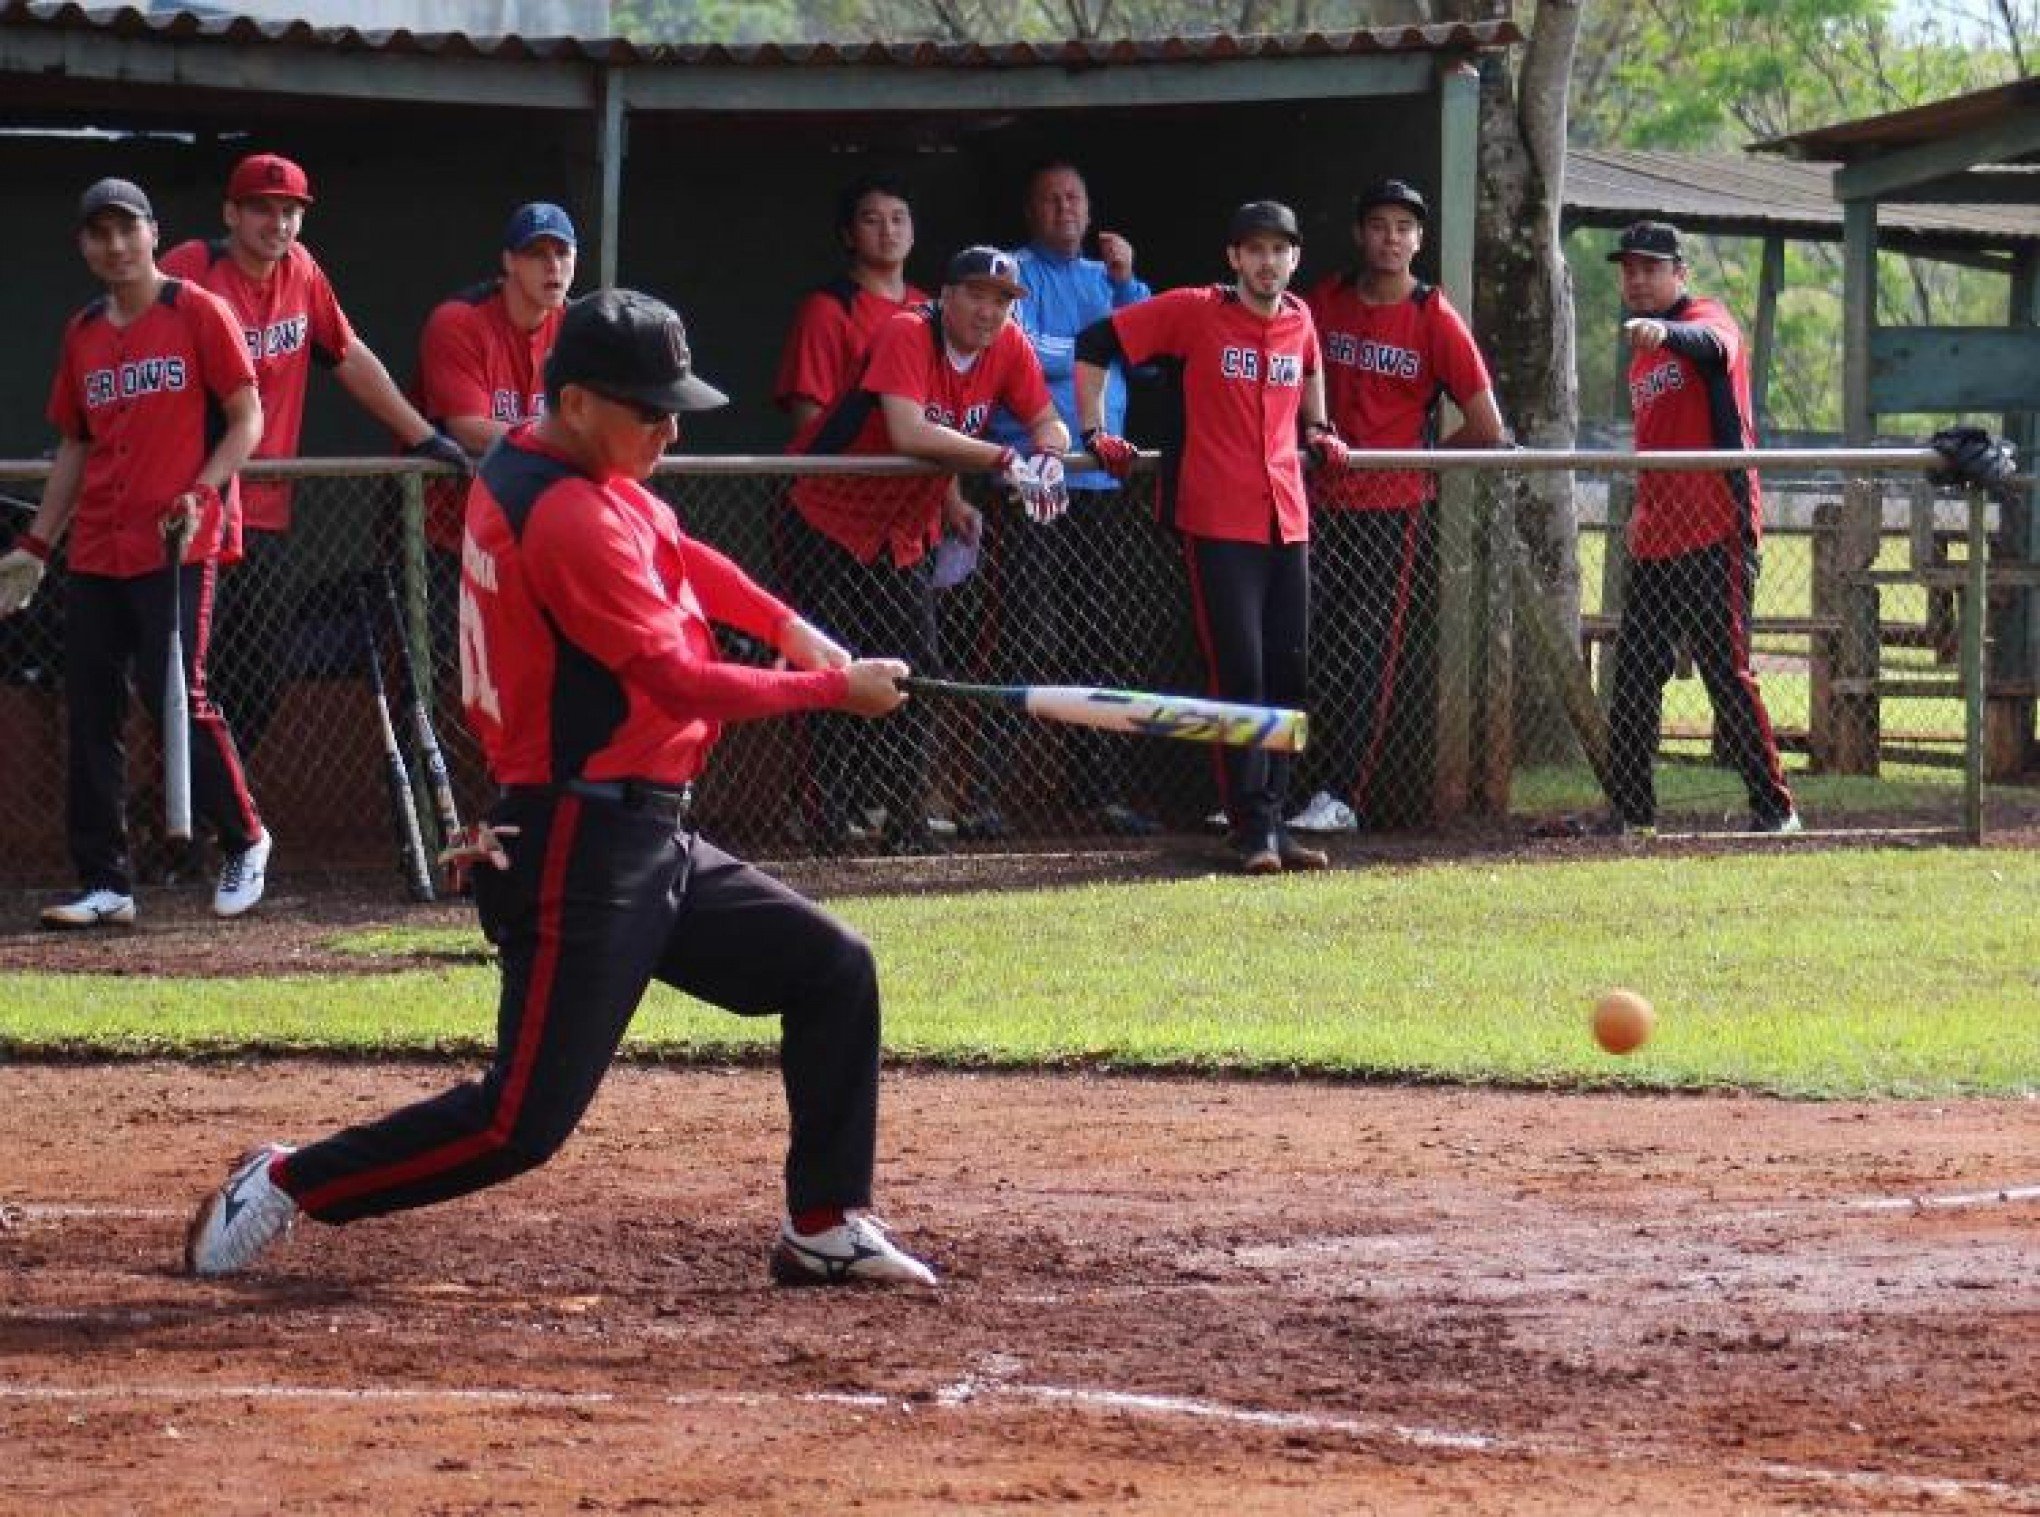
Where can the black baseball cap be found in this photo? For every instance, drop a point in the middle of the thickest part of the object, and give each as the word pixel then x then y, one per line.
pixel 114 195
pixel 983 265
pixel 631 348
pixel 1649 239
pixel 1391 192
pixel 1262 216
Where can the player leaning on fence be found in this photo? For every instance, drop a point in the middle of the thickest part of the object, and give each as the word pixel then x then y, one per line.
pixel 1247 358
pixel 156 403
pixel 288 317
pixel 1693 540
pixel 589 671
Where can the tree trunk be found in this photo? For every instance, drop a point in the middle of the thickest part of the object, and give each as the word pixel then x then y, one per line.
pixel 1523 311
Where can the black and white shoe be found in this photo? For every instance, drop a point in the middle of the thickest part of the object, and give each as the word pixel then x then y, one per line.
pixel 861 1249
pixel 95 908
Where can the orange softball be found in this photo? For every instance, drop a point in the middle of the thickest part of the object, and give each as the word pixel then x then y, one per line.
pixel 1623 1020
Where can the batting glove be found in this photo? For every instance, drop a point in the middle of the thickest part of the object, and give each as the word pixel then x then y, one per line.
pixel 1327 448
pixel 469 849
pixel 1973 457
pixel 1039 481
pixel 21 572
pixel 441 449
pixel 1115 455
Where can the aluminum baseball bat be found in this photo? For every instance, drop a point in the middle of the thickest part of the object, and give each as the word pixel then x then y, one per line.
pixel 1191 718
pixel 411 857
pixel 176 730
pixel 431 757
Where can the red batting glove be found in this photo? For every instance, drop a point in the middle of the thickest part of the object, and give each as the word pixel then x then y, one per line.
pixel 1326 447
pixel 1115 455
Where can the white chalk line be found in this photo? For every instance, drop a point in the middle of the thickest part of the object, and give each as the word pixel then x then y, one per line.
pixel 964 1394
pixel 2007 1195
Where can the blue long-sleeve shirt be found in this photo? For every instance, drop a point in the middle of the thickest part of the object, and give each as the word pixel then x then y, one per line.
pixel 1065 295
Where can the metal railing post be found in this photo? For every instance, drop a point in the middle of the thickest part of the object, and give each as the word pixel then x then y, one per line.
pixel 1974 609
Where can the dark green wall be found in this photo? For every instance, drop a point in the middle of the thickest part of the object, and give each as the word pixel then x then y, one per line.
pixel 728 217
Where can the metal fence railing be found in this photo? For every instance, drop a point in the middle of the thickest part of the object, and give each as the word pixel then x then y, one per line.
pixel 1462 657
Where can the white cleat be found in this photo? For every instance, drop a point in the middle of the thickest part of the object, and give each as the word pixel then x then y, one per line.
pixel 242 878
pixel 860 1250
pixel 241 1218
pixel 1325 812
pixel 95 908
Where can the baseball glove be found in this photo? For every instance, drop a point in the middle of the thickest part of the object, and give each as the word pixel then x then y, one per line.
pixel 1972 457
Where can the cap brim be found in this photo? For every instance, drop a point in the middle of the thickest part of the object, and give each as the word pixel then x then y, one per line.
pixel 689 394
pixel 1012 287
pixel 1621 253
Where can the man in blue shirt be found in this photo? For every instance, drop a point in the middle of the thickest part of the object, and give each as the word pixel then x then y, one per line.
pixel 1052 577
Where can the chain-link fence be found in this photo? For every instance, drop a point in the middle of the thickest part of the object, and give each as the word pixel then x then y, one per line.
pixel 1471 641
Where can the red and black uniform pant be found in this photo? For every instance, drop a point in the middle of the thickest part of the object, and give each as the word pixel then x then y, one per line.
pixel 1700 601
pixel 1251 605
pixel 601 898
pixel 1373 571
pixel 116 630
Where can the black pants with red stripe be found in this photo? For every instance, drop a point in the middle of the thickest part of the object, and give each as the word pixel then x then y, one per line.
pixel 116 630
pixel 1251 602
pixel 601 899
pixel 1367 566
pixel 1700 600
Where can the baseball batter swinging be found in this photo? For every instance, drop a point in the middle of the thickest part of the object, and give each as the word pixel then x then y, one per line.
pixel 589 672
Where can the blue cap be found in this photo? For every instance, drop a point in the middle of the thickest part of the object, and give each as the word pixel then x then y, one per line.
pixel 539 219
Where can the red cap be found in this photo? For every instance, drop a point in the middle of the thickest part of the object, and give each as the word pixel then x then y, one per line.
pixel 267 174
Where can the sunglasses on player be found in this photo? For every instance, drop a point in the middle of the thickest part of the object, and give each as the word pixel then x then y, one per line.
pixel 650 416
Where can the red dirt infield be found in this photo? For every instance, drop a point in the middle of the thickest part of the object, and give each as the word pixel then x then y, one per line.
pixel 1161 1295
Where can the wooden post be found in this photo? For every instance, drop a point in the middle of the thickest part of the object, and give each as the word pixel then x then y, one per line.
pixel 2013 633
pixel 1769 283
pixel 1466 628
pixel 609 151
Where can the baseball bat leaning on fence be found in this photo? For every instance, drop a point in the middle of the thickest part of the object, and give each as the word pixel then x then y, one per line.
pixel 1188 717
pixel 176 697
pixel 411 858
pixel 431 757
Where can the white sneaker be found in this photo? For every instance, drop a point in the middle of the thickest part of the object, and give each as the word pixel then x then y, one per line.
pixel 242 877
pixel 1788 825
pixel 241 1218
pixel 1325 812
pixel 860 1249
pixel 1218 821
pixel 92 909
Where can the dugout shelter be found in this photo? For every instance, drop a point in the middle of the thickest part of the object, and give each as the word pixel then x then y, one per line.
pixel 707 174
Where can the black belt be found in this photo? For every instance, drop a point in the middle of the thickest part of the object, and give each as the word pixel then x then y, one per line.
pixel 669 802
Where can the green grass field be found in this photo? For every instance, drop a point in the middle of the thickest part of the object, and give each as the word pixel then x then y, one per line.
pixel 1858 973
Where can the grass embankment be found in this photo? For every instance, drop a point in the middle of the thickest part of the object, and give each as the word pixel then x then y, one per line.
pixel 1803 973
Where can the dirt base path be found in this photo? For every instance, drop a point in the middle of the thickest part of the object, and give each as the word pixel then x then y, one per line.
pixel 1160 1296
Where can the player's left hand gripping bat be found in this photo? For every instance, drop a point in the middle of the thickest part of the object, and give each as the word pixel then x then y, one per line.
pixel 1191 718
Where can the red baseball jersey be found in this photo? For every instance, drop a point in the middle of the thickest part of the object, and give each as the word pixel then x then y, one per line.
pixel 1240 477
pixel 831 330
pixel 909 358
pixel 473 360
pixel 286 320
pixel 585 644
pixel 1385 368
pixel 1679 402
pixel 147 398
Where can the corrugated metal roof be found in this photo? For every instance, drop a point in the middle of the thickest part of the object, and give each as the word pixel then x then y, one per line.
pixel 128 22
pixel 1754 196
pixel 1848 141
